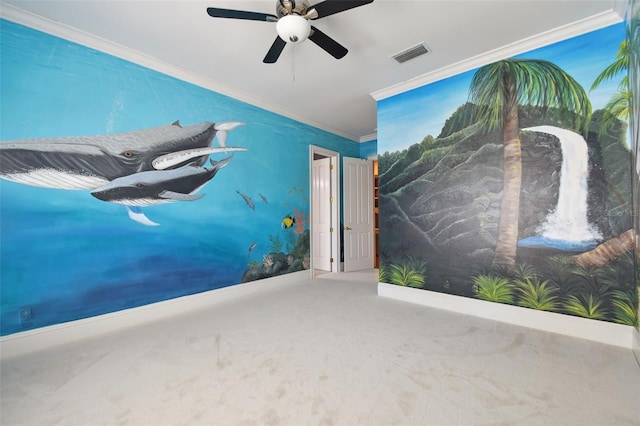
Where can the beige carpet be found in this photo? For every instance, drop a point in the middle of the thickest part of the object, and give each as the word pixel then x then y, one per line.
pixel 323 352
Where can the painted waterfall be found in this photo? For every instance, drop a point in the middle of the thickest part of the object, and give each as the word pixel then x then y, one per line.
pixel 525 204
pixel 566 227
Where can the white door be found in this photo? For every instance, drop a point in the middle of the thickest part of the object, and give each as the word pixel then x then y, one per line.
pixel 321 214
pixel 358 214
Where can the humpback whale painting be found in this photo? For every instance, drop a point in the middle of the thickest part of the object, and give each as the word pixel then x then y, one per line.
pixel 109 164
pixel 92 159
pixel 160 186
pixel 157 187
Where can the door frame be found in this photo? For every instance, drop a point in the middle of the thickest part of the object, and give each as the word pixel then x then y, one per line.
pixel 335 206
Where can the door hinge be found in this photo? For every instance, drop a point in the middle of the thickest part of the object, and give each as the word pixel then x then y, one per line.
pixel 331 229
pixel 330 166
pixel 331 260
pixel 331 199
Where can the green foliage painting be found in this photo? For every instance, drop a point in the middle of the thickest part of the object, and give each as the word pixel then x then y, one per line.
pixel 518 189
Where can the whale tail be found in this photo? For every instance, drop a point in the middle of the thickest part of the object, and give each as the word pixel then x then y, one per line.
pixel 222 129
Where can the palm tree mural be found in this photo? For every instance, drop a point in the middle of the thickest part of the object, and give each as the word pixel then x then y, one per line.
pixel 618 105
pixel 617 109
pixel 498 89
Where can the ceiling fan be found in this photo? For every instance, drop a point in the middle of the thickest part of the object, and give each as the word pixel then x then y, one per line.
pixel 292 23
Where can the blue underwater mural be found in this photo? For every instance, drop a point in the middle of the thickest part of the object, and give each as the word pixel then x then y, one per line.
pixel 121 186
pixel 368 149
pixel 136 169
pixel 511 183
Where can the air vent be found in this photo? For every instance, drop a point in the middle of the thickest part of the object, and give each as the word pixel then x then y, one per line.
pixel 410 53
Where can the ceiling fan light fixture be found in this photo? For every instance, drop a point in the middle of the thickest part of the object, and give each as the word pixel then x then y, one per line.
pixel 293 28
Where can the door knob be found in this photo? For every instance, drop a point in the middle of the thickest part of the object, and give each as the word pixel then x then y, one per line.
pixel 347 228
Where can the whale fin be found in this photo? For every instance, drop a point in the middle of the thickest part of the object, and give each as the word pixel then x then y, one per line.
pixel 135 213
pixel 228 125
pixel 174 158
pixel 222 163
pixel 223 128
pixel 176 196
pixel 177 123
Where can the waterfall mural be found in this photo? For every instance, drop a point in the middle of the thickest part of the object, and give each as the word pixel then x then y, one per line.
pixel 566 227
pixel 511 183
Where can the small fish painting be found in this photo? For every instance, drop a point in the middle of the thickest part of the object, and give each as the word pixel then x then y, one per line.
pixel 251 247
pixel 288 222
pixel 264 198
pixel 247 200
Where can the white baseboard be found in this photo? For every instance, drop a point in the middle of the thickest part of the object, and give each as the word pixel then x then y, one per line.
pixel 636 344
pixel 47 337
pixel 599 331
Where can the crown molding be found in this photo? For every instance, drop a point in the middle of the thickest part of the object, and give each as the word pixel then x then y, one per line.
pixel 369 138
pixel 564 32
pixel 57 29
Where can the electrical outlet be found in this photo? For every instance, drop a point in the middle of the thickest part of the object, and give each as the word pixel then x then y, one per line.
pixel 26 315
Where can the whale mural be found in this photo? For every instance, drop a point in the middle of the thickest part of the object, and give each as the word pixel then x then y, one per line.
pixel 138 168
pixel 67 254
pixel 158 187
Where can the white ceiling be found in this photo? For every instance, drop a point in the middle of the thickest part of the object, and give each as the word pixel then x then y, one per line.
pixel 307 84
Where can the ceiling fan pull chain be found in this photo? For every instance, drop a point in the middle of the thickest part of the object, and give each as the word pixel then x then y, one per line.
pixel 293 63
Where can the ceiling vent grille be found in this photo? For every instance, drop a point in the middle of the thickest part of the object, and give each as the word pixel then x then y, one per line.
pixel 410 53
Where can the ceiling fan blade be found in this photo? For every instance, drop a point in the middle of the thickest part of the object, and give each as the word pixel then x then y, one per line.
pixel 274 52
pixel 215 12
pixel 330 7
pixel 332 47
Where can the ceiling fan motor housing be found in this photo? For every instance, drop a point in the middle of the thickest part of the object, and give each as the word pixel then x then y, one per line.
pixel 291 7
pixel 293 25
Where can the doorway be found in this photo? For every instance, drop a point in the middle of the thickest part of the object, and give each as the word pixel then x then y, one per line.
pixel 358 214
pixel 325 207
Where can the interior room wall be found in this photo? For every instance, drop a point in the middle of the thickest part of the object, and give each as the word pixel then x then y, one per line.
pixel 80 128
pixel 633 38
pixel 368 149
pixel 445 222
